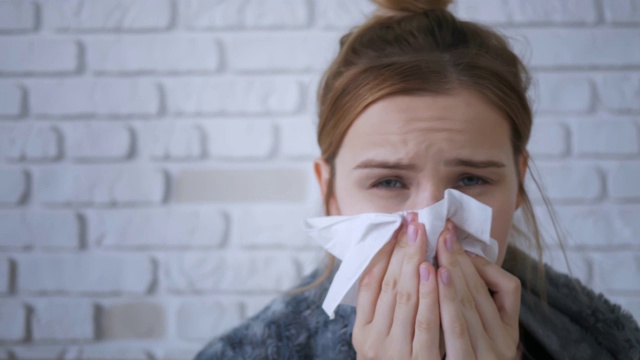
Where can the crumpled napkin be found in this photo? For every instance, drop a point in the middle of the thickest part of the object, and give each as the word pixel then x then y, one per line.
pixel 356 239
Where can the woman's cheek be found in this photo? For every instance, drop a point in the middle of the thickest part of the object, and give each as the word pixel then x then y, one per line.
pixel 500 229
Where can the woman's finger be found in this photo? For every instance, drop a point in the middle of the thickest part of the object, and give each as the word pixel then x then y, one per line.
pixel 426 339
pixel 506 288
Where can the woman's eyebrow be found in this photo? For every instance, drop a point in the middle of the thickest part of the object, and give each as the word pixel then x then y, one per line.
pixel 385 164
pixel 478 164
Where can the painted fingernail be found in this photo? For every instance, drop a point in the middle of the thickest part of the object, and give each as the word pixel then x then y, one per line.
pixel 449 240
pixel 412 233
pixel 470 254
pixel 444 276
pixel 424 273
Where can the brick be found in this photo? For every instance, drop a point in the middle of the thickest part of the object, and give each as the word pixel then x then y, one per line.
pixel 13 319
pixel 107 15
pixel 170 140
pixel 629 304
pixel 97 140
pixel 239 139
pixel 309 260
pixel 298 139
pixel 201 320
pixel 10 100
pixel 39 352
pixel 147 54
pixel 172 227
pixel 99 185
pixel 84 274
pixel 620 92
pixel 271 225
pixel 564 93
pixel 622 11
pixel 606 138
pixel 576 48
pixel 80 97
pixel 338 14
pixel 37 56
pixel 17 16
pixel 241 14
pixel 198 272
pixel 39 228
pixel 101 352
pixel 617 272
pixel 621 184
pixel 12 187
pixel 549 139
pixel 179 353
pixel 602 227
pixel 561 12
pixel 560 182
pixel 134 320
pixel 254 304
pixel 29 142
pixel 6 270
pixel 241 185
pixel 233 96
pixel 488 11
pixel 62 320
pixel 277 52
pixel 576 264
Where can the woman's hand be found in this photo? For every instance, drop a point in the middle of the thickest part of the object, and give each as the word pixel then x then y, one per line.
pixel 476 325
pixel 397 314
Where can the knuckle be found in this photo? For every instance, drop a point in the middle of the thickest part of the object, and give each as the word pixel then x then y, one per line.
pixel 458 329
pixel 404 297
pixel 514 284
pixel 424 325
pixel 467 302
pixel 389 285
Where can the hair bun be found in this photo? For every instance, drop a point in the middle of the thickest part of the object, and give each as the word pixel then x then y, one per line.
pixel 412 6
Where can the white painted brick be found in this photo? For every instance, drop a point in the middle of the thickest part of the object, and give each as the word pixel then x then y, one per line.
pixel 276 52
pixel 17 16
pixel 309 260
pixel 606 138
pixel 548 12
pixel 298 139
pixel 107 15
pixel 549 139
pixel 622 184
pixel 97 140
pixel 620 92
pixel 252 14
pixel 132 320
pixel 40 352
pixel 28 142
pixel 215 272
pixel 179 353
pixel 255 303
pixel 622 11
pixel 84 273
pixel 602 227
pixel 13 186
pixel 102 352
pixel 79 97
pixel 576 264
pixel 62 320
pixel 630 304
pixel 5 275
pixel 339 14
pixel 617 272
pixel 271 225
pixel 13 318
pixel 10 100
pixel 170 140
pixel 579 48
pixel 487 11
pixel 24 56
pixel 39 228
pixel 202 320
pixel 99 185
pixel 145 53
pixel 233 96
pixel 157 228
pixel 560 182
pixel 239 139
pixel 563 93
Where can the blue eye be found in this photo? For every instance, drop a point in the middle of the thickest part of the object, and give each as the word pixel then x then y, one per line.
pixel 390 184
pixel 471 181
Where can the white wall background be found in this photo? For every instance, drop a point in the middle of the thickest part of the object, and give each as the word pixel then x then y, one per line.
pixel 155 159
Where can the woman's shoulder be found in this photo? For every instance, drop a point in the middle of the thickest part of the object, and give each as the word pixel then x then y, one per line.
pixel 562 315
pixel 292 326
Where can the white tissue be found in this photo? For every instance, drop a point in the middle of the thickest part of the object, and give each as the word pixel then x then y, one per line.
pixel 356 239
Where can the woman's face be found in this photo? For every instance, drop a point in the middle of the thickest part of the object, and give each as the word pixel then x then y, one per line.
pixel 404 151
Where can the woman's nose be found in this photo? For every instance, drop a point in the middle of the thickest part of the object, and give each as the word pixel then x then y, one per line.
pixel 428 197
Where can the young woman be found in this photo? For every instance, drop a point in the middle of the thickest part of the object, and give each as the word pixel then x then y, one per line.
pixel 415 103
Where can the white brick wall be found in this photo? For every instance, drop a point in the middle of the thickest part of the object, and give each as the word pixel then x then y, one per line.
pixel 116 114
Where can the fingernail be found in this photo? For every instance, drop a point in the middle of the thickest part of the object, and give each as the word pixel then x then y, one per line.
pixel 444 276
pixel 470 254
pixel 424 273
pixel 413 232
pixel 449 240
